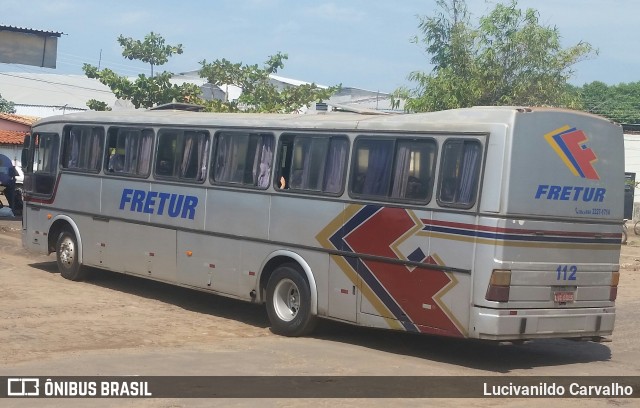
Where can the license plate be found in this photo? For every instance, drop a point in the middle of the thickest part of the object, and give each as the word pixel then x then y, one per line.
pixel 563 297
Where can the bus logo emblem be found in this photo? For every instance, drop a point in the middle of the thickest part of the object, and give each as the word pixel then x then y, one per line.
pixel 570 145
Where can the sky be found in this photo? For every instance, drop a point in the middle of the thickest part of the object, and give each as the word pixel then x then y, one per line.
pixel 357 43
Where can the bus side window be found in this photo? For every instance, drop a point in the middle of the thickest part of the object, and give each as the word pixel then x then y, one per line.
pixel 372 167
pixel 315 163
pixel 193 157
pixel 129 151
pixel 414 169
pixel 243 158
pixel 459 173
pixel 284 171
pixel 82 148
pixel 399 169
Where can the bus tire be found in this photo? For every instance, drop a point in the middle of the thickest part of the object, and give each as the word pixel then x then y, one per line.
pixel 67 256
pixel 289 302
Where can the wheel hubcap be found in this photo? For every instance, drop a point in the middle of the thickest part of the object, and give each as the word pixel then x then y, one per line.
pixel 286 300
pixel 67 252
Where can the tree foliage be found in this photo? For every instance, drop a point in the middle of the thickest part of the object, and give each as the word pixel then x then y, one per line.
pixel 151 50
pixel 259 94
pixel 6 106
pixel 97 105
pixel 144 91
pixel 620 103
pixel 506 58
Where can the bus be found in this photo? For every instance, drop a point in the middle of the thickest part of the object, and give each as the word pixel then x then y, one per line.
pixel 493 223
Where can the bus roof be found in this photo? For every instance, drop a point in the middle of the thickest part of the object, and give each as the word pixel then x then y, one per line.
pixel 441 120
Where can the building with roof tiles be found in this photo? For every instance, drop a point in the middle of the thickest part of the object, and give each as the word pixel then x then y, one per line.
pixel 13 128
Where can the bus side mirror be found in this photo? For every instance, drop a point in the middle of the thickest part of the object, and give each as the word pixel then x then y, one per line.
pixel 24 159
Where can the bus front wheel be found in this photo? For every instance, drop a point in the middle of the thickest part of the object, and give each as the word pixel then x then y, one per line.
pixel 289 302
pixel 67 256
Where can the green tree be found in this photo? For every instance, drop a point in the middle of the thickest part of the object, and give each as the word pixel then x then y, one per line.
pixel 507 58
pixel 97 105
pixel 144 91
pixel 620 103
pixel 259 94
pixel 152 50
pixel 6 106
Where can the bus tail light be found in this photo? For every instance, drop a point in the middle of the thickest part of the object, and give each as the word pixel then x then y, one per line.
pixel 499 284
pixel 613 291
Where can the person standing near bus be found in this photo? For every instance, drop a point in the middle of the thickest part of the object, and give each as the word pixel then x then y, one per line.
pixel 10 186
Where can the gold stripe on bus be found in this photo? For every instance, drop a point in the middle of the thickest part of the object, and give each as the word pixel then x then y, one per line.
pixel 410 233
pixel 558 150
pixel 441 303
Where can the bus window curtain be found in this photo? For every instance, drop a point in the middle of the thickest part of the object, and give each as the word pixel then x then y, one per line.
pixel 48 151
pixel 131 152
pixel 226 159
pixel 334 170
pixel 186 154
pixel 401 172
pixel 264 152
pixel 96 146
pixel 203 148
pixel 74 140
pixel 466 187
pixel 378 169
pixel 300 170
pixel 144 157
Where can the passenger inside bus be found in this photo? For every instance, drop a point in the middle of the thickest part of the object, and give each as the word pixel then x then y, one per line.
pixel 116 162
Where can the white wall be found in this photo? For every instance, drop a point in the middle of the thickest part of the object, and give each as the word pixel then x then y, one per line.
pixel 14 152
pixel 632 159
pixel 43 111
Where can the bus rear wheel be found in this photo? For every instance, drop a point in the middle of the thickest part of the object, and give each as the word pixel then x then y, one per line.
pixel 67 256
pixel 289 302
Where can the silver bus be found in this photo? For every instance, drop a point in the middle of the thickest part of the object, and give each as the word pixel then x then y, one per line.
pixel 495 223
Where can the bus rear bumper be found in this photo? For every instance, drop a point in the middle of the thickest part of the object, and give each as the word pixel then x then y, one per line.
pixel 518 324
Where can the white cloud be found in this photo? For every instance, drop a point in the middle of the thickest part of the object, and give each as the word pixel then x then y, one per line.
pixel 133 17
pixel 331 11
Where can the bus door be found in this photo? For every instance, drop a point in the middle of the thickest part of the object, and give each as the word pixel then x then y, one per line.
pixel 40 164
